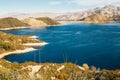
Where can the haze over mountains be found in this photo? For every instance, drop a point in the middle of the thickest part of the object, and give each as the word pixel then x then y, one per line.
pixel 109 11
pixel 27 15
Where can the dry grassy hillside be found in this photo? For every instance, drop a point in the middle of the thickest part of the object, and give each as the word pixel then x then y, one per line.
pixel 48 21
pixel 11 22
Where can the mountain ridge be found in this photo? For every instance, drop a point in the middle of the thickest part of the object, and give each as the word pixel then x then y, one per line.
pixel 108 10
pixel 22 16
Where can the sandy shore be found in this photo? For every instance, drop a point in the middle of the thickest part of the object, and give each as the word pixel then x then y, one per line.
pixel 35 44
pixel 66 22
pixel 13 28
pixel 33 37
pixel 25 50
pixel 17 52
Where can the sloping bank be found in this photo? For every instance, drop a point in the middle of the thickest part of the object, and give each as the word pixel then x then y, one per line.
pixel 24 50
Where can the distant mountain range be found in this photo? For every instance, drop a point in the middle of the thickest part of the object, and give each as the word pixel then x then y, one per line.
pixel 27 15
pixel 109 11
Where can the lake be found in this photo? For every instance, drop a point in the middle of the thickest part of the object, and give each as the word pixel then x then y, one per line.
pixel 79 43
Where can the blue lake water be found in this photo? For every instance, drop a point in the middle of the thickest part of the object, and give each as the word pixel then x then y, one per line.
pixel 79 43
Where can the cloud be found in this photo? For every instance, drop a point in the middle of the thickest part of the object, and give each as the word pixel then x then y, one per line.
pixel 94 2
pixel 55 3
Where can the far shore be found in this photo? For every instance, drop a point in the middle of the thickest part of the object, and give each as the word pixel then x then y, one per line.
pixel 66 22
pixel 13 28
pixel 61 23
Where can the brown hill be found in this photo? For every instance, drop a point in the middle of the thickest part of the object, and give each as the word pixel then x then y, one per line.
pixel 48 21
pixel 11 22
pixel 34 22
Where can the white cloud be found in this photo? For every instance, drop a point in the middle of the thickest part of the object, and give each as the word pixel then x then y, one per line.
pixel 55 3
pixel 94 2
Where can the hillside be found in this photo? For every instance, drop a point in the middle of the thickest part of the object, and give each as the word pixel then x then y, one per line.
pixel 52 71
pixel 34 22
pixel 40 22
pixel 48 21
pixel 109 11
pixel 96 19
pixel 11 22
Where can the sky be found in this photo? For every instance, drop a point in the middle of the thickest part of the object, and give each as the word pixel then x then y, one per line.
pixel 56 6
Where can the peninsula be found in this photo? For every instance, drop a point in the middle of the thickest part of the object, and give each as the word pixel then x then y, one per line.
pixel 14 44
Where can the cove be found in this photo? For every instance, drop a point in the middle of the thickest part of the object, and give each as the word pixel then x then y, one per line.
pixel 79 43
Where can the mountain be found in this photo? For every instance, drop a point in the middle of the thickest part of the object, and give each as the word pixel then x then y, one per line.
pixel 96 19
pixel 109 11
pixel 11 22
pixel 27 15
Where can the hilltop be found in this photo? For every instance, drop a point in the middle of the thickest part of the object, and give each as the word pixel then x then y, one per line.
pixel 11 22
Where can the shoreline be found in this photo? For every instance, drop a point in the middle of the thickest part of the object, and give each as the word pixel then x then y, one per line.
pixel 24 50
pixel 67 22
pixel 13 28
pixel 35 44
pixel 17 52
pixel 34 27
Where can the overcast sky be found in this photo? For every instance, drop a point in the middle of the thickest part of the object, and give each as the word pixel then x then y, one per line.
pixel 57 6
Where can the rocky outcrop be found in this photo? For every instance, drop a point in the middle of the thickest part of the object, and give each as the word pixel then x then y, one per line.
pixel 109 11
pixel 96 19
